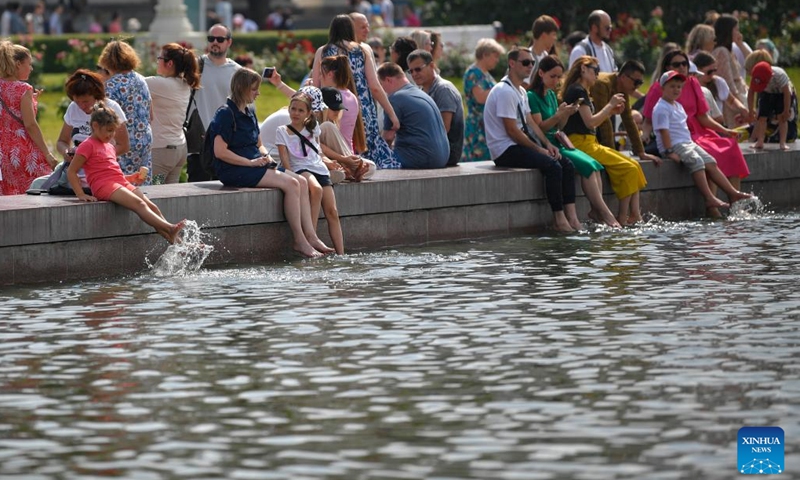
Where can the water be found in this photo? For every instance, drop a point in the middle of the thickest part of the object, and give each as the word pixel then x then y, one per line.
pixel 603 355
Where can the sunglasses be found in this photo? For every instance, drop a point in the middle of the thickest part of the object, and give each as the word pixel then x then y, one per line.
pixel 684 63
pixel 637 82
pixel 417 69
pixel 212 39
pixel 526 62
pixel 596 69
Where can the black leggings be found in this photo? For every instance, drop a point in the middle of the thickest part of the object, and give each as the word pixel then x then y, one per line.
pixel 559 175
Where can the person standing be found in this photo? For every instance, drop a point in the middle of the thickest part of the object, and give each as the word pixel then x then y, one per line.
pixel 516 141
pixel 216 71
pixel 595 44
pixel 447 99
pixel 129 89
pixel 170 90
pixel 478 82
pixel 421 141
pixel 24 155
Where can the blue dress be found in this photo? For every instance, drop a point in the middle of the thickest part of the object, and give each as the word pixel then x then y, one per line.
pixel 377 149
pixel 130 91
pixel 240 131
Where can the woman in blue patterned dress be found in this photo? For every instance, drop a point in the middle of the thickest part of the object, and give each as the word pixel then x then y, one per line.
pixel 341 41
pixel 477 84
pixel 129 90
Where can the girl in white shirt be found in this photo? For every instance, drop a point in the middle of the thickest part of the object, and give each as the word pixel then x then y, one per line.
pixel 170 91
pixel 299 150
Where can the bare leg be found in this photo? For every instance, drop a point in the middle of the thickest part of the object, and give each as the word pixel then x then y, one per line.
pixel 624 210
pixel 636 210
pixel 733 193
pixel 561 223
pixel 736 182
pixel 593 189
pixel 314 197
pixel 701 183
pixel 783 131
pixel 332 216
pixel 305 216
pixel 759 131
pixel 572 216
pixel 132 201
pixel 292 194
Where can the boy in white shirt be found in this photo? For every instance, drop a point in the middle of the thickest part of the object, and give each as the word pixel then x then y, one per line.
pixel 675 142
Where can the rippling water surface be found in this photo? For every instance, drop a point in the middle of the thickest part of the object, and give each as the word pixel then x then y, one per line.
pixel 635 354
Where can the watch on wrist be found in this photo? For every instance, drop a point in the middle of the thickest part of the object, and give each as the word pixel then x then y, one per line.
pixel 667 151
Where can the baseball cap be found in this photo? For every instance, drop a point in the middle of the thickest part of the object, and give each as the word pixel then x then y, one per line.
pixel 672 74
pixel 693 69
pixel 760 76
pixel 315 95
pixel 333 98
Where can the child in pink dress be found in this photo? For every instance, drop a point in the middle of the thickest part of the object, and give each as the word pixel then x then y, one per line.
pixel 98 158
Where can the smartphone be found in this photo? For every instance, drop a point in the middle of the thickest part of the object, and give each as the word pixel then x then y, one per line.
pixel 268 71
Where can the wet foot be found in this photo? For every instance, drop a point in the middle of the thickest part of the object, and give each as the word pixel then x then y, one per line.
pixel 595 217
pixel 634 219
pixel 307 251
pixel 575 224
pixel 737 195
pixel 713 212
pixel 174 232
pixel 319 246
pixel 563 226
pixel 716 203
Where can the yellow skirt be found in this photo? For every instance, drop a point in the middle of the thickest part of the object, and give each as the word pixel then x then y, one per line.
pixel 625 173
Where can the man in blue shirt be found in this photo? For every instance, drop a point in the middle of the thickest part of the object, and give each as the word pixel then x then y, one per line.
pixel 421 141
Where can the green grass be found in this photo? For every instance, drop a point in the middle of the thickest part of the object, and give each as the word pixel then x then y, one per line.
pixel 269 101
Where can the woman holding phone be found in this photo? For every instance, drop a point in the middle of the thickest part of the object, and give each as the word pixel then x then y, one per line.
pixel 626 175
pixel 550 116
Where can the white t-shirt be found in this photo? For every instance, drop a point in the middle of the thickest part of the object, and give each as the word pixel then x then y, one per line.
pixel 603 53
pixel 170 97
pixel 80 121
pixel 671 117
pixel 269 128
pixel 502 103
pixel 311 161
pixel 714 110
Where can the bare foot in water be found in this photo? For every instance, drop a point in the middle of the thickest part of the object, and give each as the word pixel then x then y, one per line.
pixel 715 203
pixel 317 244
pixel 174 231
pixel 306 250
pixel 575 224
pixel 562 225
pixel 634 219
pixel 713 212
pixel 735 197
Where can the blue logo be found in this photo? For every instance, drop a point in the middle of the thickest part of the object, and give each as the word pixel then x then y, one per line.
pixel 760 450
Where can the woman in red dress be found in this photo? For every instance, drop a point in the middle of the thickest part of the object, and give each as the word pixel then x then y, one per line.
pixel 23 154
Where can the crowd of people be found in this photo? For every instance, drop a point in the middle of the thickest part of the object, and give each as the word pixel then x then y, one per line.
pixel 358 113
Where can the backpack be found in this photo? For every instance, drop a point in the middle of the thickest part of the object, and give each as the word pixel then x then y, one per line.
pixel 207 154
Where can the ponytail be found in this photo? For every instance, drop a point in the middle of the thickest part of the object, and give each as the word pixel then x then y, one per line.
pixel 10 55
pixel 185 62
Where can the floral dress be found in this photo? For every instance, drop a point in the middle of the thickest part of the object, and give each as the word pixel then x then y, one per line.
pixel 475 148
pixel 131 92
pixel 377 148
pixel 21 161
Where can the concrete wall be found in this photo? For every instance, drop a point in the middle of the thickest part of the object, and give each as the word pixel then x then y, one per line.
pixel 44 239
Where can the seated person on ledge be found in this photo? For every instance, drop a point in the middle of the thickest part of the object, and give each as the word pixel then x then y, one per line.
pixel 675 142
pixel 421 141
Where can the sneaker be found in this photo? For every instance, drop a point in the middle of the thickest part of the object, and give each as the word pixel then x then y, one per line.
pixel 337 176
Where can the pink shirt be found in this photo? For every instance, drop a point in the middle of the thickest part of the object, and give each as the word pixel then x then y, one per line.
pixel 347 124
pixel 101 164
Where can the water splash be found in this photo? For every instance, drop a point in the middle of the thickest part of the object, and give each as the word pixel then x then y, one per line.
pixel 185 257
pixel 748 209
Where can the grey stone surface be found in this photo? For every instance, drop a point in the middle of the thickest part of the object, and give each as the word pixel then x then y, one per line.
pixel 45 238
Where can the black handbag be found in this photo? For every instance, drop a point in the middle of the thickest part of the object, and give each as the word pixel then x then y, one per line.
pixel 193 127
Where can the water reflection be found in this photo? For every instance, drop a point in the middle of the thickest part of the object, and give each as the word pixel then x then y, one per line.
pixel 602 355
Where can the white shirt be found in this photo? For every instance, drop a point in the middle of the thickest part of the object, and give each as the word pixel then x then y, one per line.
pixel 170 97
pixel 602 52
pixel 215 87
pixel 80 121
pixel 311 161
pixel 502 103
pixel 671 117
pixel 714 108
pixel 269 128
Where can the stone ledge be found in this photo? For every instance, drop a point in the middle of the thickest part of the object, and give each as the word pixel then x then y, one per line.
pixel 41 234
